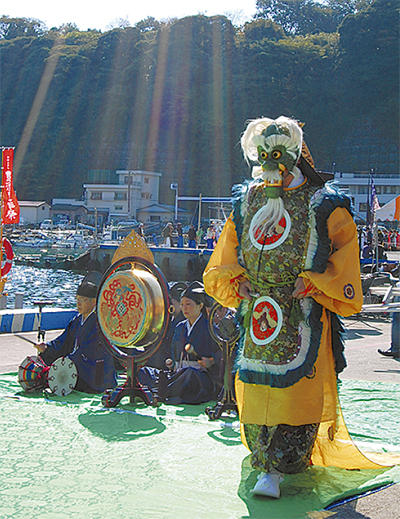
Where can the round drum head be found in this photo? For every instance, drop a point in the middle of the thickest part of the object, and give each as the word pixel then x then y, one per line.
pixel 132 308
pixel 124 310
pixel 30 373
pixel 62 376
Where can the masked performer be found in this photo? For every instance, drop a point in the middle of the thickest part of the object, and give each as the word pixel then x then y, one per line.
pixel 288 258
pixel 81 343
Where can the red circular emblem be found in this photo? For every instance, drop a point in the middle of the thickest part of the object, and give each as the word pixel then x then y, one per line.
pixel 262 240
pixel 266 320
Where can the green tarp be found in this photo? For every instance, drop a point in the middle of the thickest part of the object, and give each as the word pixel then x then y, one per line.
pixel 67 457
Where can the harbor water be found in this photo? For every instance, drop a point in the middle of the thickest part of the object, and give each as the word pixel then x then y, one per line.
pixel 39 283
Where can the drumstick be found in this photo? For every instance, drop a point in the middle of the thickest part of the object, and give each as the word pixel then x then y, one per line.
pixel 25 339
pixel 189 349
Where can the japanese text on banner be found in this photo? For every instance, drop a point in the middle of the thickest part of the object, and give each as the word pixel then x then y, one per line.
pixel 10 206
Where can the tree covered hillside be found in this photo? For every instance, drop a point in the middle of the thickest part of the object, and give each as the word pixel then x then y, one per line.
pixel 174 96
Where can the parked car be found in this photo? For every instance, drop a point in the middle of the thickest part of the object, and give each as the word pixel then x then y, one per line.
pixel 47 224
pixel 128 223
pixel 64 224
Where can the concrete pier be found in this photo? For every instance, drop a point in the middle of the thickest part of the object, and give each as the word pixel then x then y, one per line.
pixel 177 264
pixel 27 319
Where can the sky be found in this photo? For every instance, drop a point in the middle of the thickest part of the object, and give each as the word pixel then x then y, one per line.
pixel 102 15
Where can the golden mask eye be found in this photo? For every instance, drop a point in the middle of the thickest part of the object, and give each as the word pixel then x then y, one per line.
pixel 276 154
pixel 263 155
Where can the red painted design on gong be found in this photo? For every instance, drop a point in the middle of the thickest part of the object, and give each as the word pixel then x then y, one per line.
pixel 123 309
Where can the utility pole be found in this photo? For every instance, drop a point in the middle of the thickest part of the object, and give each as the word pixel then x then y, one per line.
pixel 129 194
pixel 174 186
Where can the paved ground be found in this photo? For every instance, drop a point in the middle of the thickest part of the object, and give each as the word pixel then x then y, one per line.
pixel 364 336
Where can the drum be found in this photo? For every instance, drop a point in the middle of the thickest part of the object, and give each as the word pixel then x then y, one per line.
pixel 32 373
pixel 62 376
pixel 132 306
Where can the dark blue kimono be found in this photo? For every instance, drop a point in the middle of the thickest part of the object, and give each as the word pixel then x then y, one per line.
pixel 199 338
pixel 189 385
pixel 157 360
pixel 82 344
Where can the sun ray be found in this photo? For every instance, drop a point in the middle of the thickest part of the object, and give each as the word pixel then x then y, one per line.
pixel 37 106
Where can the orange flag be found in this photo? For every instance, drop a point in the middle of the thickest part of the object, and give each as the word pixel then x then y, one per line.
pixel 10 206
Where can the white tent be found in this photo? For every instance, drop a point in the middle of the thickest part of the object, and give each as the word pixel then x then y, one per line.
pixel 390 211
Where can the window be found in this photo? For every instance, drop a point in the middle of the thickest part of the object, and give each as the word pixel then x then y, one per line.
pixel 146 180
pixel 147 196
pixel 155 218
pixel 118 207
pixel 363 207
pixel 96 196
pixel 118 195
pixel 378 190
pixel 362 190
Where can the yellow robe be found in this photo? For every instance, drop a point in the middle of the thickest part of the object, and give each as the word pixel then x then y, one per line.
pixel 310 400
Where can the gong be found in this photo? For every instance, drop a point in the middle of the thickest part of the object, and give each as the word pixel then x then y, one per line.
pixel 132 315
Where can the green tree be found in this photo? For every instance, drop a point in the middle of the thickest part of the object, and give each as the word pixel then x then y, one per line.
pixel 175 98
pixel 11 28
pixel 308 16
pixel 261 29
pixel 148 24
pixel 369 65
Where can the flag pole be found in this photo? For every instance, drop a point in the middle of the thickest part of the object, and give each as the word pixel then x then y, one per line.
pixel 374 207
pixel 375 227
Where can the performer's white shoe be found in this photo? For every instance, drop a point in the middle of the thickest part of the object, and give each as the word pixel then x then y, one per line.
pixel 268 485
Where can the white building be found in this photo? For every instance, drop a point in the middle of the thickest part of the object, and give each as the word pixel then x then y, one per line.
pixel 127 193
pixel 358 186
pixel 33 212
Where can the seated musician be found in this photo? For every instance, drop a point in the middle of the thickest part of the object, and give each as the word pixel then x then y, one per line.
pixel 164 351
pixel 196 375
pixel 81 343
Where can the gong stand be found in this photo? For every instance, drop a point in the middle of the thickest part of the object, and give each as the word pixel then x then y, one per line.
pixel 226 399
pixel 41 304
pixel 134 356
pixel 227 403
pixel 131 388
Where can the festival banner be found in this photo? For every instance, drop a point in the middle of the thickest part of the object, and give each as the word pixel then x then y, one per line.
pixel 374 198
pixel 390 211
pixel 9 202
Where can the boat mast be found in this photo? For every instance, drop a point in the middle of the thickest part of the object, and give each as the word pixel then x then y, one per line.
pixel 199 220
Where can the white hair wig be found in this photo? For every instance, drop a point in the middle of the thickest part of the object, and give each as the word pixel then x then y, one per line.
pixel 257 126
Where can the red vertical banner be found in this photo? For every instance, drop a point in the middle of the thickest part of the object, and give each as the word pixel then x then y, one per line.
pixel 10 206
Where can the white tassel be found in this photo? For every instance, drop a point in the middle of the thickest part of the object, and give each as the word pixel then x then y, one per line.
pixel 266 221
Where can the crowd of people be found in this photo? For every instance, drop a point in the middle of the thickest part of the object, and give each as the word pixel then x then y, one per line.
pixel 175 235
pixel 387 240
